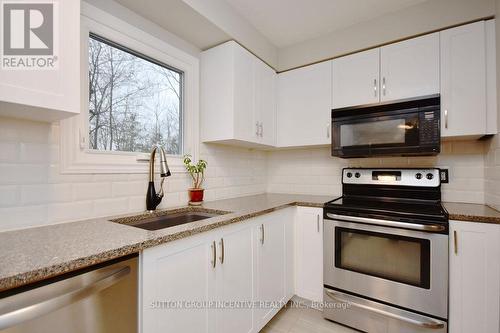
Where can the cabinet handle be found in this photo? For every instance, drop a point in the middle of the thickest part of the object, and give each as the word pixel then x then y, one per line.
pixel 262 234
pixel 317 221
pixel 383 86
pixel 221 243
pixel 446 118
pixel 214 255
pixel 257 132
pixel 375 87
pixel 328 131
pixel 455 241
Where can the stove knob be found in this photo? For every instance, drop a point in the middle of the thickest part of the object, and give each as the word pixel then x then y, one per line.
pixel 349 175
pixel 357 175
pixel 430 176
pixel 418 176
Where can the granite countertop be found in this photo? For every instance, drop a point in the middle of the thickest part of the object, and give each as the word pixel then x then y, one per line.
pixel 35 254
pixel 472 212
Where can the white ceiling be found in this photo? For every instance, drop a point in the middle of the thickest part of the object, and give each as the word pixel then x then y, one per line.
pixel 180 19
pixel 286 22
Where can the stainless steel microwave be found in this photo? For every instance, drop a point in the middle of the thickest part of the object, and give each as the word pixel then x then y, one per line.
pixel 402 128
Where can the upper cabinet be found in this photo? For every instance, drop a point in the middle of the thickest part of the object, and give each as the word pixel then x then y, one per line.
pixel 464 84
pixel 356 79
pixel 304 106
pixel 40 75
pixel 237 97
pixel 244 102
pixel 410 68
pixel 397 71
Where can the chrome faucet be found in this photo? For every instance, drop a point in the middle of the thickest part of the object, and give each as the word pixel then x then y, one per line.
pixel 153 199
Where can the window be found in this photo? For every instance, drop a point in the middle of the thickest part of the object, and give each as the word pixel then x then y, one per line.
pixel 137 90
pixel 134 101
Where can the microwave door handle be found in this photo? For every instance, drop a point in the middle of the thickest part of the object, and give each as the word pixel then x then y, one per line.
pixel 428 323
pixel 387 223
pixel 20 308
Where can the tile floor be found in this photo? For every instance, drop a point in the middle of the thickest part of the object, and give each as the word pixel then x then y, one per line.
pixel 302 320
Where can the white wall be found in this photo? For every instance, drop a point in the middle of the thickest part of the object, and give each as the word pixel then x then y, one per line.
pixel 314 171
pixel 33 192
pixel 427 16
pixel 492 159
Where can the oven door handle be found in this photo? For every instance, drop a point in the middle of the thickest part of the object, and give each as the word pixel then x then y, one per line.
pixel 386 223
pixel 415 319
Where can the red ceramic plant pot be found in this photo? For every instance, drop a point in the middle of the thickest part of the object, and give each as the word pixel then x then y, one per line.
pixel 196 194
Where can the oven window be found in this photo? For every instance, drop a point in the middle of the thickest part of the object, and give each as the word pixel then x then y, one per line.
pixel 392 257
pixel 374 132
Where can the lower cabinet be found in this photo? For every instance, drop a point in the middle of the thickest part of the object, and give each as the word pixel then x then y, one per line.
pixel 173 275
pixel 235 280
pixel 474 278
pixel 309 253
pixel 229 280
pixel 270 273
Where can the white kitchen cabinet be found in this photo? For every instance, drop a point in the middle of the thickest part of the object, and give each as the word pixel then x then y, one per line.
pixel 304 106
pixel 179 271
pixel 410 68
pixel 270 243
pixel 235 279
pixel 237 97
pixel 309 253
pixel 463 80
pixel 491 78
pixel 396 71
pixel 356 79
pixel 48 94
pixel 474 277
pixel 265 102
pixel 243 262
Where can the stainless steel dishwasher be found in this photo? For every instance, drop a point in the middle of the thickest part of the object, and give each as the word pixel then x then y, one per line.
pixel 99 299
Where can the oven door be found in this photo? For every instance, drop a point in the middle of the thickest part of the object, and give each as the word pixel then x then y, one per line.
pixel 402 267
pixel 394 133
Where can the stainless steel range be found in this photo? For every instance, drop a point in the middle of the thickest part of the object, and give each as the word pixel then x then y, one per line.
pixel 386 252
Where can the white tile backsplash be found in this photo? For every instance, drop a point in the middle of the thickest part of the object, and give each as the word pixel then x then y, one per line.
pixel 33 192
pixel 492 173
pixel 314 171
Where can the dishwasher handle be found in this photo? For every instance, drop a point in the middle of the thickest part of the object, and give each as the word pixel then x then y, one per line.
pixel 37 302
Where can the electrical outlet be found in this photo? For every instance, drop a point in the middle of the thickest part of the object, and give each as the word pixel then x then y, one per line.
pixel 444 176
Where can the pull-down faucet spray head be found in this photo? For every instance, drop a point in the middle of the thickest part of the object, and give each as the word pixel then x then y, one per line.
pixel 153 199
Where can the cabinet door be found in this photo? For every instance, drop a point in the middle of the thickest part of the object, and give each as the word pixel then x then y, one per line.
pixel 356 79
pixel 235 279
pixel 474 277
pixel 179 271
pixel 463 80
pixel 410 68
pixel 50 93
pixel 309 253
pixel 244 95
pixel 304 106
pixel 271 265
pixel 265 102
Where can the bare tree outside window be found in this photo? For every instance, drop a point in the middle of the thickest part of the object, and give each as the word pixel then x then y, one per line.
pixel 134 102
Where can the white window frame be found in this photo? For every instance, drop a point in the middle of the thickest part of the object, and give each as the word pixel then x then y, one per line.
pixel 76 157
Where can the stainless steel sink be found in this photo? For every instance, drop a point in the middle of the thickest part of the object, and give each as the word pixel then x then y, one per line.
pixel 169 218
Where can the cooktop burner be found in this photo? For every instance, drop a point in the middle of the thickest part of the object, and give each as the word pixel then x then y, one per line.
pixel 405 195
pixel 433 211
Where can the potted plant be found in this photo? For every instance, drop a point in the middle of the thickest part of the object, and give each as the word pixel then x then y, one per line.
pixel 197 172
